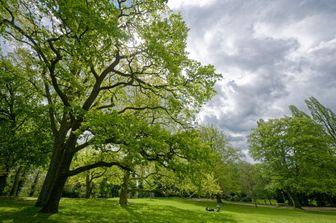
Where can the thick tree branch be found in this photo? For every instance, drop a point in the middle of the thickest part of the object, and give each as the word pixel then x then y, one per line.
pixel 84 145
pixel 51 110
pixel 152 108
pixel 96 88
pixel 141 108
pixel 96 165
pixel 93 71
pixel 117 84
pixel 97 175
pixel 52 68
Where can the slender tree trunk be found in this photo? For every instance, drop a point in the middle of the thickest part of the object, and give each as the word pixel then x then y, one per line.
pixel 283 196
pixel 294 200
pixel 136 193
pixel 91 189
pixel 3 182
pixel 124 189
pixel 33 186
pixel 21 183
pixel 254 200
pixel 15 185
pixel 88 187
pixel 219 199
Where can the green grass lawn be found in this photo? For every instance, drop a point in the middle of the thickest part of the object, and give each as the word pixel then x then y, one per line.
pixel 155 210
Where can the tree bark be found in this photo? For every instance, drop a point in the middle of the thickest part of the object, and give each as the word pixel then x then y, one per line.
pixel 57 174
pixel 51 205
pixel 59 164
pixel 53 197
pixel 50 179
pixel 124 189
pixel 15 185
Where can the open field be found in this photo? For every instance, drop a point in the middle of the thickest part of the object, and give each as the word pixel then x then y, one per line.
pixel 156 210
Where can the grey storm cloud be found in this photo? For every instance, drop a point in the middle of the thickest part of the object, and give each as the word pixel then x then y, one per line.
pixel 271 53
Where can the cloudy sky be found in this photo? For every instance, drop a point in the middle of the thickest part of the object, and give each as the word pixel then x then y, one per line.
pixel 271 54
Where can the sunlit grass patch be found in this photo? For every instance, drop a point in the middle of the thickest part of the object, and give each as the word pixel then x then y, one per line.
pixel 170 210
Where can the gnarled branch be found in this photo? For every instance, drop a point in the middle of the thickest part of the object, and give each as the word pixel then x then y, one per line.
pixel 96 165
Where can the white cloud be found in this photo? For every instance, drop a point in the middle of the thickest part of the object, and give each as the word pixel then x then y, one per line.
pixel 272 54
pixel 178 4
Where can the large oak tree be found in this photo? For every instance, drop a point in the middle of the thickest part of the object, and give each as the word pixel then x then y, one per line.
pixel 91 58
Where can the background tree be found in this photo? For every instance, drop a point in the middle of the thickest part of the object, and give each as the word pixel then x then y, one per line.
pixel 225 166
pixel 295 153
pixel 24 136
pixel 324 116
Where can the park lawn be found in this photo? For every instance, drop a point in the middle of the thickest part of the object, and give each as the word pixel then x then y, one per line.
pixel 155 210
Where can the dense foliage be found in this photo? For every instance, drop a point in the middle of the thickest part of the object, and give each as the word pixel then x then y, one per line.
pixel 104 92
pixel 105 62
pixel 297 154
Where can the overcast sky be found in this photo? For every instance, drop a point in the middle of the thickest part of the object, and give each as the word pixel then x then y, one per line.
pixel 271 53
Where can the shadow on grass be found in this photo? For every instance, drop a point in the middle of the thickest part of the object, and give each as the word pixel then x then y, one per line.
pixel 110 211
pixel 21 212
pixel 148 211
pixel 82 210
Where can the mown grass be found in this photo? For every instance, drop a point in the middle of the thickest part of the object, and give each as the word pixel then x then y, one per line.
pixel 155 210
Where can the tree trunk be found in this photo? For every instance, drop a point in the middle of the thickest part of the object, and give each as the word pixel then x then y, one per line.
pixel 21 183
pixel 53 185
pixel 15 185
pixel 3 182
pixel 51 205
pixel 91 189
pixel 50 179
pixel 124 189
pixel 88 187
pixel 54 196
pixel 219 199
pixel 136 193
pixel 56 177
pixel 254 200
pixel 294 200
pixel 33 186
